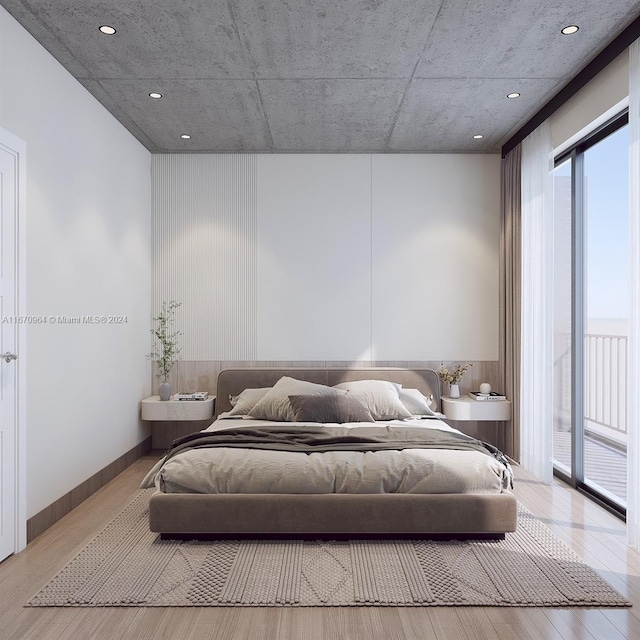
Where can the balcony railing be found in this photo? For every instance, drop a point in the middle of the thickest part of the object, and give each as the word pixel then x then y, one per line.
pixel 605 391
pixel 606 382
pixel 605 412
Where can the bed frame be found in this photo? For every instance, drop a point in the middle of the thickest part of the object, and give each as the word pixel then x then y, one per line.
pixel 330 515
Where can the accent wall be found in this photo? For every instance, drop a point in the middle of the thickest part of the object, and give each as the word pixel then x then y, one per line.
pixel 329 257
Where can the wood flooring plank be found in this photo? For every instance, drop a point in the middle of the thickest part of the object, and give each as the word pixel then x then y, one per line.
pixel 51 626
pixel 143 627
pixel 626 621
pixel 264 623
pixel 514 622
pixel 351 624
pixel 304 623
pixel 512 632
pixel 176 623
pixel 538 626
pixel 448 625
pixel 215 623
pixel 363 623
pixel 23 624
pixel 568 625
pixel 385 622
pixel 229 623
pixel 118 624
pixel 85 623
pixel 477 623
pixel 52 631
pixel 598 625
pixel 416 623
pixel 203 632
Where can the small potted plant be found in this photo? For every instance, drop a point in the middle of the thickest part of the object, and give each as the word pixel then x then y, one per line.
pixel 165 349
pixel 453 377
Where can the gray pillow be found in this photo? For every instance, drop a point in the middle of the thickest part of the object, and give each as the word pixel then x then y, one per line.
pixel 275 404
pixel 334 408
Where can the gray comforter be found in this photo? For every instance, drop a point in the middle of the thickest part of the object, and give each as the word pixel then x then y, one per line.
pixel 293 458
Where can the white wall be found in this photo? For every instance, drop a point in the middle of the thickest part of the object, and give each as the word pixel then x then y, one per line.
pixel 436 243
pixel 347 257
pixel 88 253
pixel 597 97
pixel 314 257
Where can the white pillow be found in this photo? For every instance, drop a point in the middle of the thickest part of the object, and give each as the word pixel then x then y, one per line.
pixel 245 401
pixel 275 404
pixel 380 396
pixel 416 403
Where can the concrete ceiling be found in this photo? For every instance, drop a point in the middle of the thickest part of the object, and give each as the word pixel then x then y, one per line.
pixel 323 76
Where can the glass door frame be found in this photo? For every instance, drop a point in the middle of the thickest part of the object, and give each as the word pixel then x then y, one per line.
pixel 578 270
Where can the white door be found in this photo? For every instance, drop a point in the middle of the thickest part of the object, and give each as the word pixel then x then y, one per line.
pixel 9 330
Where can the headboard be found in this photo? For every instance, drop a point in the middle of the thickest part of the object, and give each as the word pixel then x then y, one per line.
pixel 234 381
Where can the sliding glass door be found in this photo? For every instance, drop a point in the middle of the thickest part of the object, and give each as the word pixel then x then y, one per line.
pixel 606 259
pixel 591 293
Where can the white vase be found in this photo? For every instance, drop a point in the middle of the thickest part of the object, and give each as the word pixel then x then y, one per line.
pixel 454 391
pixel 164 389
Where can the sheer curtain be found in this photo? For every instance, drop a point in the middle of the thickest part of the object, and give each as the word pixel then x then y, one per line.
pixel 633 356
pixel 536 452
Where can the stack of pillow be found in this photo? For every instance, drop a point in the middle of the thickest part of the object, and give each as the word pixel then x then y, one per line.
pixel 291 400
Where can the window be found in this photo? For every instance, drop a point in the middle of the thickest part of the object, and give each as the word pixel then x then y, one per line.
pixel 591 217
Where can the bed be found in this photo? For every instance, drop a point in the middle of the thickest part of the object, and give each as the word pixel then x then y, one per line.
pixel 286 508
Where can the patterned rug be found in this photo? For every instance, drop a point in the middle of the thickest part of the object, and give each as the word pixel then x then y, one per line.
pixel 127 565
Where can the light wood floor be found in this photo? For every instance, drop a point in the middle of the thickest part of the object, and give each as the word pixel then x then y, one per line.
pixel 597 536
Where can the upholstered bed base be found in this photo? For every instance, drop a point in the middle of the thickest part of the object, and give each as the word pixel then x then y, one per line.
pixel 333 514
pixel 340 515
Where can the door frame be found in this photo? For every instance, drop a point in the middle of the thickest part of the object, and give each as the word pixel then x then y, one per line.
pixel 18 148
pixel 614 120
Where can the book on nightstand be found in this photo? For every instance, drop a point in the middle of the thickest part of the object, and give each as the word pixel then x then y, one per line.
pixel 476 395
pixel 198 395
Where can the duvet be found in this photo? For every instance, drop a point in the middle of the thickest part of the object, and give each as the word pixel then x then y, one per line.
pixel 258 456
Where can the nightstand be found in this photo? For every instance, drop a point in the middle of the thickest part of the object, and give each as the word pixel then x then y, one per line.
pixel 486 420
pixel 171 419
pixel 465 408
pixel 155 409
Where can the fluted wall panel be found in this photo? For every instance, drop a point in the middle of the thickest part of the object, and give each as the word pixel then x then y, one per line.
pixel 204 251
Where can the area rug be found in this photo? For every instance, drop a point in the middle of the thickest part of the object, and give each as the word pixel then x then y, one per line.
pixel 127 565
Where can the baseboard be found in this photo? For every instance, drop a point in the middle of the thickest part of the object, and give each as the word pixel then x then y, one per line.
pixel 58 509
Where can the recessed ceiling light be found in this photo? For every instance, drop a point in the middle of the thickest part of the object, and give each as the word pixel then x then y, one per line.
pixel 478 136
pixel 185 136
pixel 572 28
pixel 155 94
pixel 515 94
pixel 106 29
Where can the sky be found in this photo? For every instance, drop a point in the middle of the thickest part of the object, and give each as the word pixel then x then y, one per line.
pixel 606 225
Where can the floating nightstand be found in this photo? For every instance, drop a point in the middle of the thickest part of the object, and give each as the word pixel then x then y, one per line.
pixel 177 410
pixel 466 408
pixel 171 419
